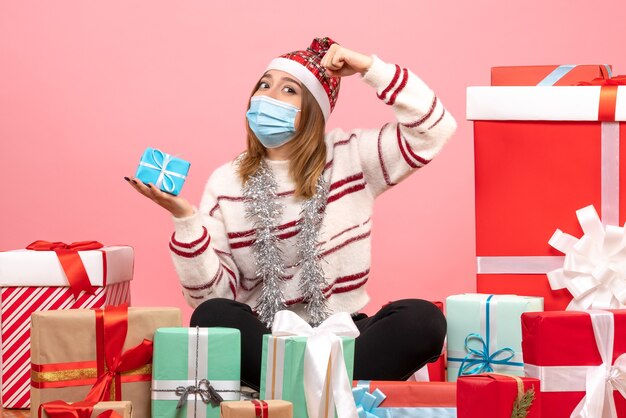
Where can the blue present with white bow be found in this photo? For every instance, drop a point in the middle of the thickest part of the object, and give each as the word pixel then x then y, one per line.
pixel 163 170
pixel 485 333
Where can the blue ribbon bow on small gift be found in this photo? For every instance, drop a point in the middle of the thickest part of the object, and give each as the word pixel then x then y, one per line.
pixel 366 401
pixel 159 160
pixel 480 360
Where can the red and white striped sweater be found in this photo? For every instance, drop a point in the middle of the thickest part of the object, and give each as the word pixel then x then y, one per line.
pixel 212 249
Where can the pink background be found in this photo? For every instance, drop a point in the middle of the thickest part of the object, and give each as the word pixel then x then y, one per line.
pixel 86 86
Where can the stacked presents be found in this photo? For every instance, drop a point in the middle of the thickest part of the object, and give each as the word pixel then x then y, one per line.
pixel 544 337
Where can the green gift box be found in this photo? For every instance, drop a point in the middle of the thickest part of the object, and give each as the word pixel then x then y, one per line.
pixel 191 367
pixel 485 333
pixel 283 364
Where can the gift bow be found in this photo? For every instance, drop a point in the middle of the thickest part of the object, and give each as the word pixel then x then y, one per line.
pixel 161 160
pixel 366 401
pixel 601 380
pixel 62 409
pixel 111 329
pixel 594 271
pixel 618 80
pixel 480 360
pixel 608 95
pixel 71 262
pixel 324 365
pixel 207 393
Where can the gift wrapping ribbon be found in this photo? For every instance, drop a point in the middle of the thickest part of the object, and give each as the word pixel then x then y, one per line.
pixel 561 71
pixel 594 271
pixel 196 387
pixel 161 160
pixel 598 382
pixel 261 409
pixel 62 409
pixel 326 381
pixel 366 401
pixel 71 262
pixel 487 356
pixel 610 190
pixel 608 95
pixel 111 361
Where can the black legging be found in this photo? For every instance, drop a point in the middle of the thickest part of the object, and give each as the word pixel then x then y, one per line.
pixel 397 341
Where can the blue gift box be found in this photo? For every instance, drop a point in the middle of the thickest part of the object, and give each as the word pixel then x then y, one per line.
pixel 165 171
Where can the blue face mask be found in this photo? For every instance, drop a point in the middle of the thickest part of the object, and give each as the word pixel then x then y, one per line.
pixel 271 120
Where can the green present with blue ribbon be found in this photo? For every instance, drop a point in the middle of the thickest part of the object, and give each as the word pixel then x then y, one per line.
pixel 485 333
pixel 194 370
pixel 163 170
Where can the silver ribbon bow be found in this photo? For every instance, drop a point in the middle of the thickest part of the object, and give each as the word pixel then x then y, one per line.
pixel 207 393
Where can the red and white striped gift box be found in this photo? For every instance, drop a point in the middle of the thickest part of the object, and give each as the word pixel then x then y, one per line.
pixel 34 281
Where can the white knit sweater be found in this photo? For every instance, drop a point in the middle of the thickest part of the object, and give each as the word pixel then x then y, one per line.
pixel 212 249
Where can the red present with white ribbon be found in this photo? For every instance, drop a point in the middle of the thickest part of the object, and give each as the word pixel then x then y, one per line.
pixel 37 280
pixel 542 153
pixel 580 360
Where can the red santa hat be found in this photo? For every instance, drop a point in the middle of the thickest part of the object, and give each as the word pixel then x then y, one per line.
pixel 306 67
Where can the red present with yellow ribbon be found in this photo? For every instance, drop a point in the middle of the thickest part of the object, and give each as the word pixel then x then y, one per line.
pixel 95 355
pixel 61 409
pixel 541 154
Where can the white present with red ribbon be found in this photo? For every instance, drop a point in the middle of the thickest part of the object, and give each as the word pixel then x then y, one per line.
pixel 39 280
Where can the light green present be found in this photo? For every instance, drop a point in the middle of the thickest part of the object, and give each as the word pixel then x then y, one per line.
pixel 282 371
pixel 188 364
pixel 485 333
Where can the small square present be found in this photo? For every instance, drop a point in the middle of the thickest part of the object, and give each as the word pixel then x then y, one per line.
pixel 165 171
pixel 494 395
pixel 193 370
pixel 405 399
pixel 51 276
pixel 257 409
pixel 580 359
pixel 95 355
pixel 61 409
pixel 485 334
pixel 300 362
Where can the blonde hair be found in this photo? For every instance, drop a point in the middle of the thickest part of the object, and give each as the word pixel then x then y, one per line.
pixel 307 149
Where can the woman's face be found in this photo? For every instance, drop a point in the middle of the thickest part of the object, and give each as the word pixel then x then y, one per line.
pixel 281 86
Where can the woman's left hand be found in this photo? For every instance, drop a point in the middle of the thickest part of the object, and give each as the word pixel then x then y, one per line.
pixel 343 62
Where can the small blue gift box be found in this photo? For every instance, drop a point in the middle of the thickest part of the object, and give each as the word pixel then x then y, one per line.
pixel 165 171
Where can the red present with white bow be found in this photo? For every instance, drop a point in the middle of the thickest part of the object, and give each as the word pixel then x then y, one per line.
pixel 39 280
pixel 580 359
pixel 542 153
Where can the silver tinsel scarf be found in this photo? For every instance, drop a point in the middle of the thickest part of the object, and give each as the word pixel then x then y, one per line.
pixel 265 211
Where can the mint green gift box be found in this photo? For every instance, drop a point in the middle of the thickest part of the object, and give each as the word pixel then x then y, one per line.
pixel 182 358
pixel 485 333
pixel 282 369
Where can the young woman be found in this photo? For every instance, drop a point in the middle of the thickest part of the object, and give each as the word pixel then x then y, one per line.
pixel 287 224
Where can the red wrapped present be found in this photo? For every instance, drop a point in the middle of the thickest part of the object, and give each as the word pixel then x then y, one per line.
pixel 401 399
pixel 52 276
pixel 542 153
pixel 547 75
pixel 494 395
pixel 579 359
